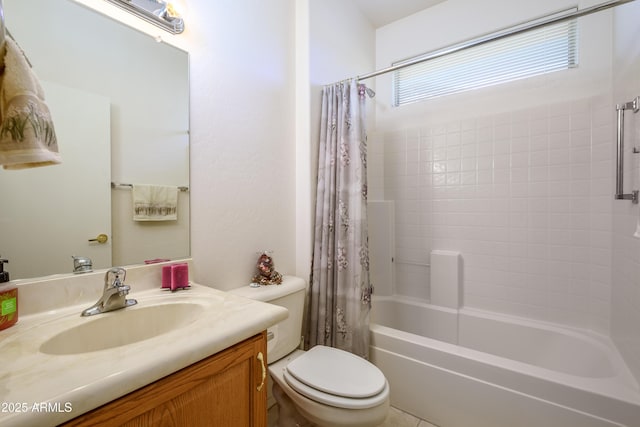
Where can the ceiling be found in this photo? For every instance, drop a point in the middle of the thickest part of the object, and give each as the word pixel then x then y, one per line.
pixel 383 12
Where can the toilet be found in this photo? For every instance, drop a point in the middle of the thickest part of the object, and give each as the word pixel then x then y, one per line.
pixel 324 386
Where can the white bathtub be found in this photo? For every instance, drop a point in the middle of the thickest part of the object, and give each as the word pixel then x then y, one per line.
pixel 470 368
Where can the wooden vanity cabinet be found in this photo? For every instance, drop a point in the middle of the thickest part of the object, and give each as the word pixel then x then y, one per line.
pixel 221 390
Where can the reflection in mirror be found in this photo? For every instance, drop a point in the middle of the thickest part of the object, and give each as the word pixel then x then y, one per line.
pixel 120 105
pixel 157 12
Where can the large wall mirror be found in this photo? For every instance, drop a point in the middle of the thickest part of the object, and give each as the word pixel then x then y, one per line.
pixel 120 105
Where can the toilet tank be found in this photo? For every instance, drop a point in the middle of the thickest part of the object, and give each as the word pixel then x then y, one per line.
pixel 283 337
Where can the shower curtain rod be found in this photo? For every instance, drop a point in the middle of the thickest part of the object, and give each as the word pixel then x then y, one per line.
pixel 500 34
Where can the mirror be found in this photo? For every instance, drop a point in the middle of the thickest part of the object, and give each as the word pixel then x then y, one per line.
pixel 120 106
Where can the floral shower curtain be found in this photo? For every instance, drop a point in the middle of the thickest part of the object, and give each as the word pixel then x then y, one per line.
pixel 340 291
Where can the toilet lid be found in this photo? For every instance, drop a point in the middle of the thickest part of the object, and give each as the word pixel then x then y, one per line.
pixel 337 372
pixel 333 400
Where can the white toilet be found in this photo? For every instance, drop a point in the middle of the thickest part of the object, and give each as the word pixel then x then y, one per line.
pixel 326 386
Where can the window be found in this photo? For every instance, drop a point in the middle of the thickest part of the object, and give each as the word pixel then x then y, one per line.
pixel 534 52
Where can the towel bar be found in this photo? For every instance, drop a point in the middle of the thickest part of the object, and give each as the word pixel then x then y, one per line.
pixel 129 186
pixel 620 108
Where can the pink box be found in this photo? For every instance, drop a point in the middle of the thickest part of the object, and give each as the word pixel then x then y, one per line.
pixel 179 276
pixel 166 276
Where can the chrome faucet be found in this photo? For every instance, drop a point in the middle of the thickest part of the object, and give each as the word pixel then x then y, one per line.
pixel 113 295
pixel 81 264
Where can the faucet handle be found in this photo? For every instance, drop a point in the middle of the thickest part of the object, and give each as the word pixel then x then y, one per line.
pixel 119 274
pixel 82 264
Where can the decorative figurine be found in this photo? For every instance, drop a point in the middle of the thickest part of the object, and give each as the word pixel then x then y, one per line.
pixel 267 275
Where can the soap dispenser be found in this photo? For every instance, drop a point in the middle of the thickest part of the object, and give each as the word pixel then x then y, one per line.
pixel 8 299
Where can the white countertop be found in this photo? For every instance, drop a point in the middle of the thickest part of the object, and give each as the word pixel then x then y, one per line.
pixel 38 389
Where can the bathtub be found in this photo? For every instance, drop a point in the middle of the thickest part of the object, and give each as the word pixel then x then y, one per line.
pixel 472 368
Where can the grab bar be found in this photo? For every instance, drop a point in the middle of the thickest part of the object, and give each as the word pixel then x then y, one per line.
pixel 620 108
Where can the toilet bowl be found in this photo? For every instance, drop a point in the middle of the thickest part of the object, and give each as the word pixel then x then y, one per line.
pixel 323 403
pixel 323 386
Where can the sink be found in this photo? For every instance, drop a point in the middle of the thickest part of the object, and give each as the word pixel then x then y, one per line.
pixel 122 327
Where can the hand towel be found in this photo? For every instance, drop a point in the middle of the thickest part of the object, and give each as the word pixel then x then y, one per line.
pixel 27 136
pixel 155 202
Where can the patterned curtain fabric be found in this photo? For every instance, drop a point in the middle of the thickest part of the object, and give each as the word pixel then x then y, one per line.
pixel 340 291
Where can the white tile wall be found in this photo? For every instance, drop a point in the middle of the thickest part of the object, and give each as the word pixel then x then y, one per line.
pixel 525 196
pixel 625 310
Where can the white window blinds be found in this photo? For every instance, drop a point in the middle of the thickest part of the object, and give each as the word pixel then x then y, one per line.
pixel 531 53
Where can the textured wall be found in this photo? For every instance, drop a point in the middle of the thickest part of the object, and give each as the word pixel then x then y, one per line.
pixel 242 139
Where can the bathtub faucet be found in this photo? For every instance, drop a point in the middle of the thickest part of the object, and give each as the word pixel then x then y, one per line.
pixel 113 295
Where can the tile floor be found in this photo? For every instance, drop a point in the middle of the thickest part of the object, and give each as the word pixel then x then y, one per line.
pixel 396 418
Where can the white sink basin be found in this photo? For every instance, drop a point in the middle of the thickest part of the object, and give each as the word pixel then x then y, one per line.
pixel 122 327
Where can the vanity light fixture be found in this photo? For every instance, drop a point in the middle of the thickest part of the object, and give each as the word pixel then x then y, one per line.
pixel 158 12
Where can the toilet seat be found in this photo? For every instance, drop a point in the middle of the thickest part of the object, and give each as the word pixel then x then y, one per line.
pixel 337 378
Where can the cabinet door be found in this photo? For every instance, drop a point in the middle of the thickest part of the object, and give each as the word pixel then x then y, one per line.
pixel 223 390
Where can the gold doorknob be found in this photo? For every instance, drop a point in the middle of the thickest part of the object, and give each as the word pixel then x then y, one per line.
pixel 102 238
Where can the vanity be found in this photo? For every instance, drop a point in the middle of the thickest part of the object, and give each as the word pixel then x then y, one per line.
pixel 226 389
pixel 191 357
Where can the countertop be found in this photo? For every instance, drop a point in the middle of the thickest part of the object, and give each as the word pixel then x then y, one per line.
pixel 38 389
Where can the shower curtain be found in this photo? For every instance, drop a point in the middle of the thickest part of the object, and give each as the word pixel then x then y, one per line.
pixel 340 292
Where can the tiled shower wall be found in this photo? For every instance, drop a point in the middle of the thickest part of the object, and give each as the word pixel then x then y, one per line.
pixel 625 312
pixel 525 196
